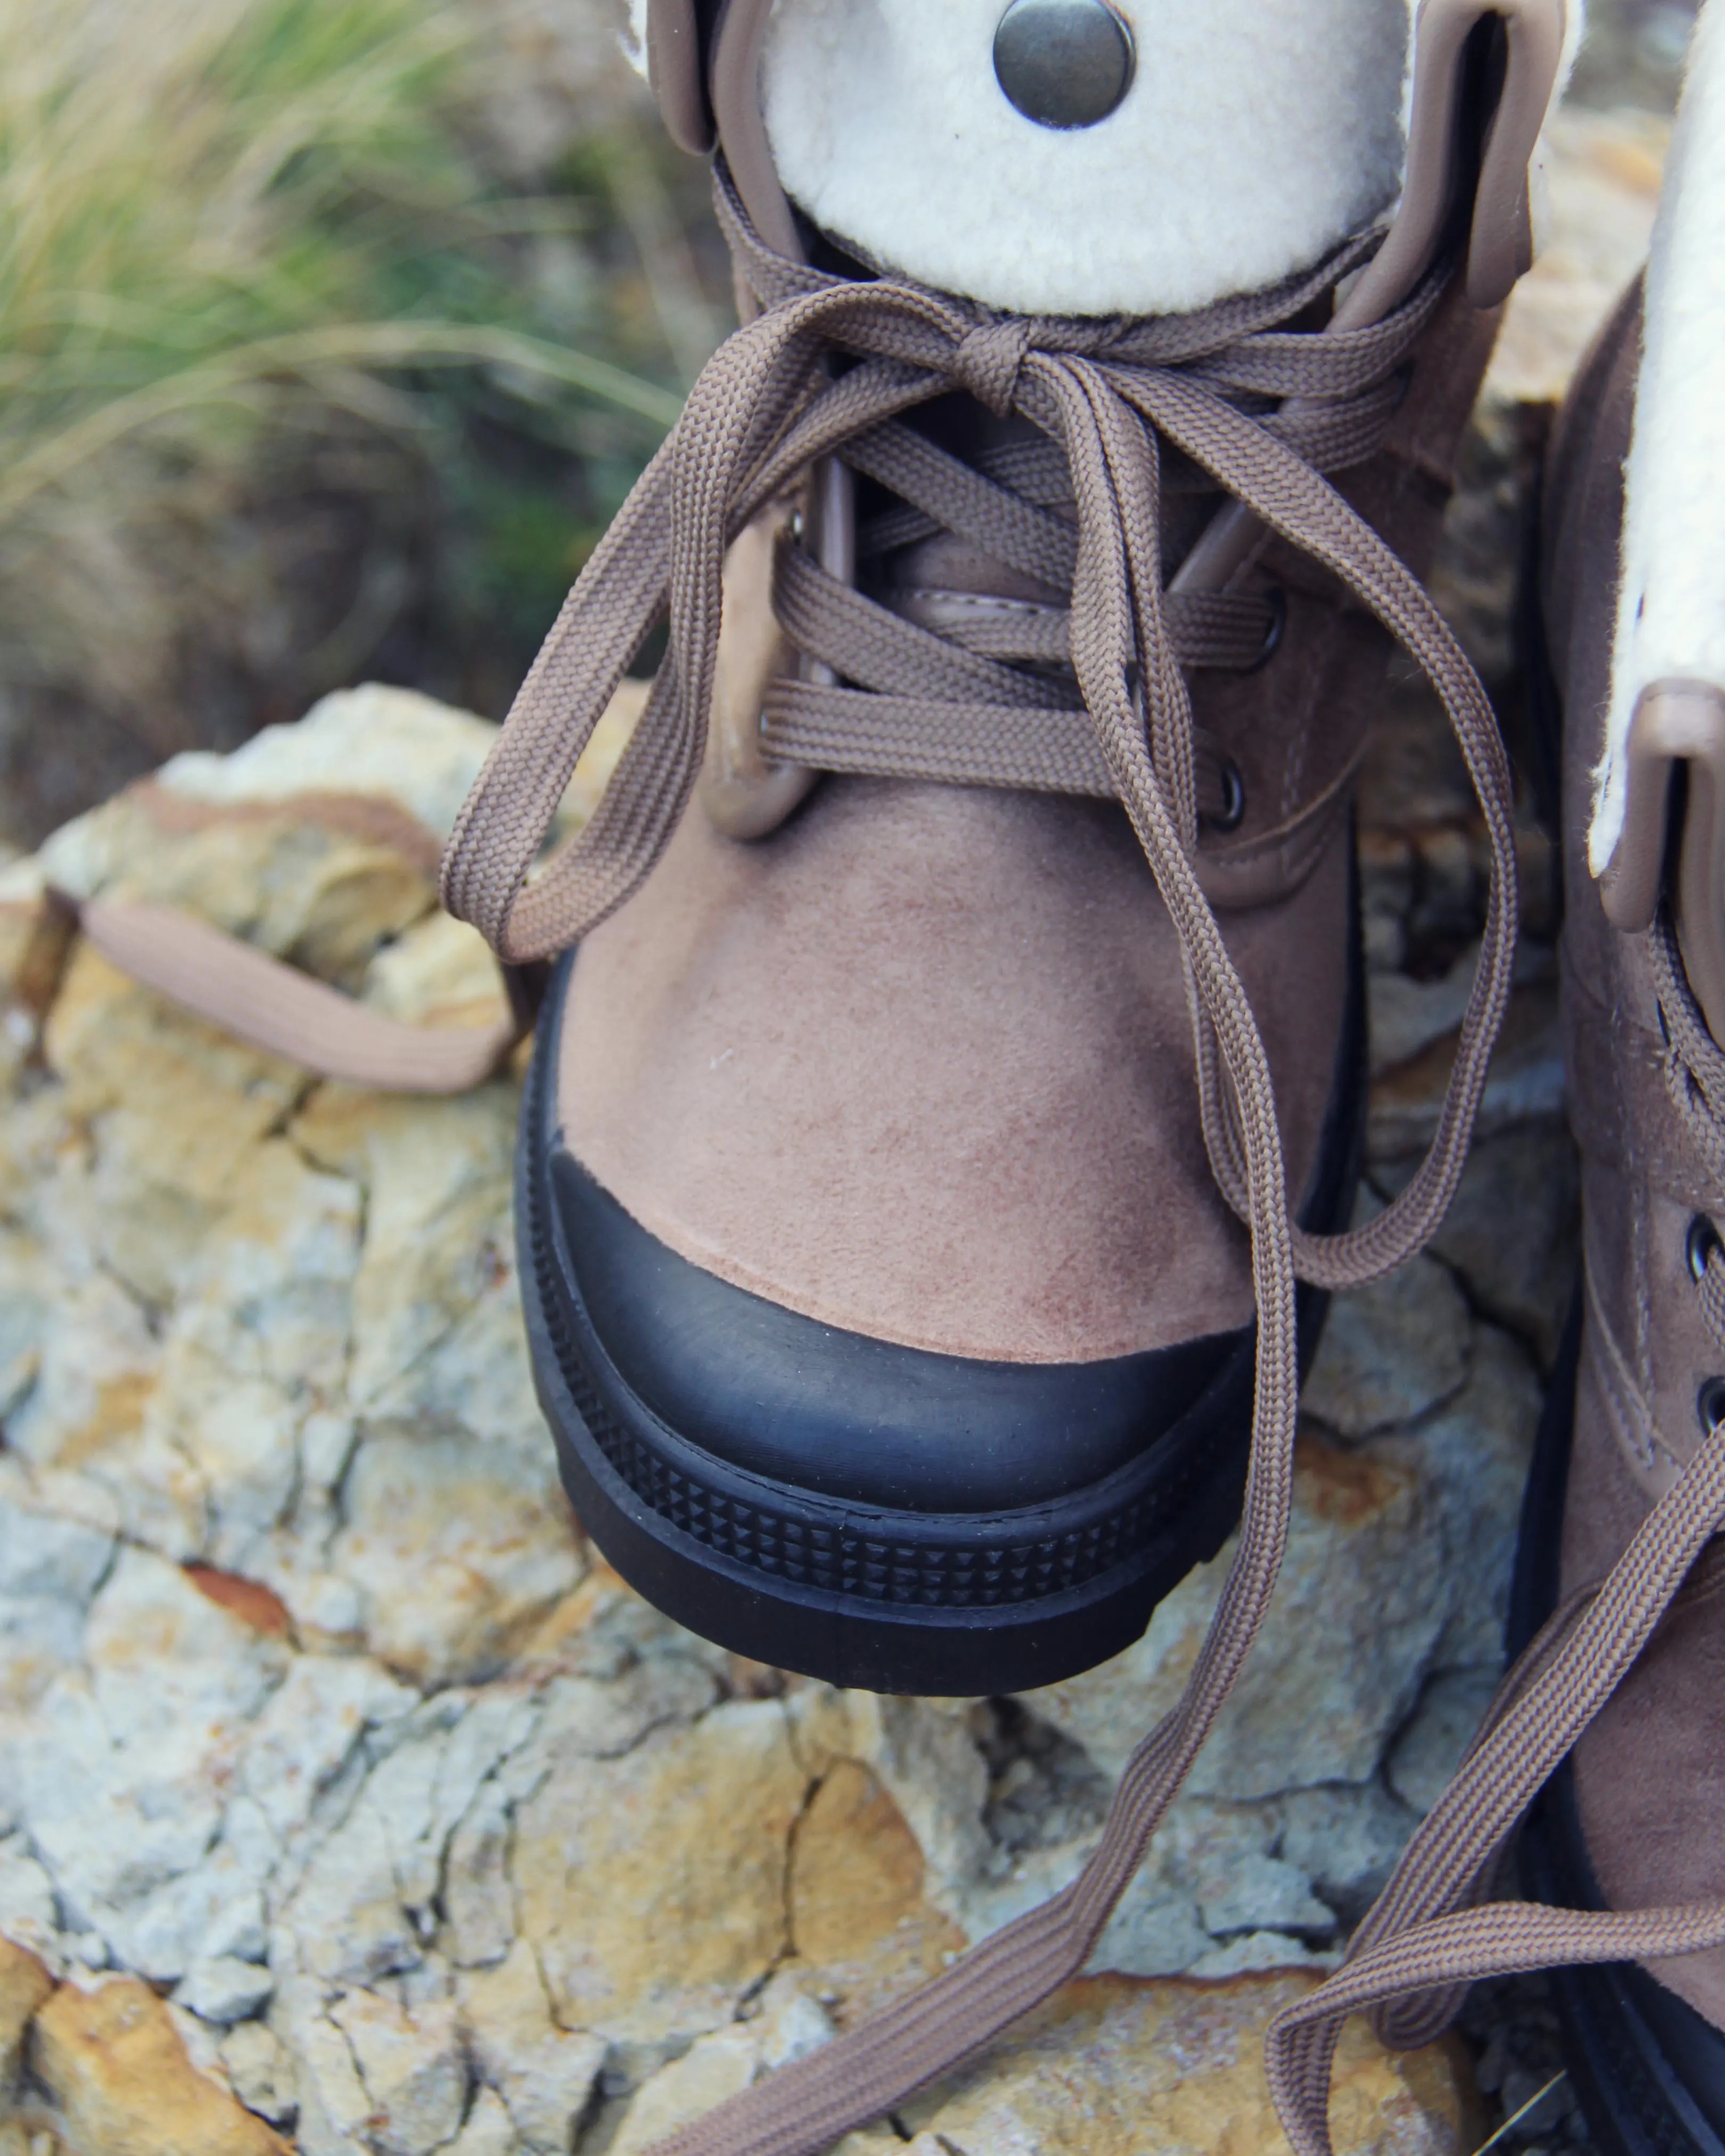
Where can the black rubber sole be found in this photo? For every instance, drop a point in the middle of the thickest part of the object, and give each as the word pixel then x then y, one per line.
pixel 887 1600
pixel 1620 2028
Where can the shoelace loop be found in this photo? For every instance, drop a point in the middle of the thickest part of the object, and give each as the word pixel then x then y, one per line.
pixel 1113 396
pixel 1253 406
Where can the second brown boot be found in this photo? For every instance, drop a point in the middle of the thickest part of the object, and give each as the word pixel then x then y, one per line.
pixel 1611 1725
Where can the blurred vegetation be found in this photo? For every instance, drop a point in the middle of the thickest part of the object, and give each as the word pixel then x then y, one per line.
pixel 331 334
pixel 1633 53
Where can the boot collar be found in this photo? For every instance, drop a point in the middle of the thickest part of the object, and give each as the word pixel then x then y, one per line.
pixel 1483 80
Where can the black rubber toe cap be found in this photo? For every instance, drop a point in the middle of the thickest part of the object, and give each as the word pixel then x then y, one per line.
pixel 784 1397
pixel 871 1514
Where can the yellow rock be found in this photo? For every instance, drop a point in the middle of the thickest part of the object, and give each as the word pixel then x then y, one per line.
pixel 461 1551
pixel 320 879
pixel 1118 2066
pixel 717 2066
pixel 179 1109
pixel 113 2061
pixel 652 1887
pixel 544 2075
pixel 1603 174
pixel 858 1914
pixel 461 1547
pixel 35 940
pixel 857 1871
pixel 18 2139
pixel 24 1985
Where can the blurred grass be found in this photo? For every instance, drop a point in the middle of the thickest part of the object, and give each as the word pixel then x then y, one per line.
pixel 331 334
pixel 308 368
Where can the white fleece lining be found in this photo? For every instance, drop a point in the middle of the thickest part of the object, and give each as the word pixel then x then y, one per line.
pixel 1254 137
pixel 1257 134
pixel 634 37
pixel 1670 620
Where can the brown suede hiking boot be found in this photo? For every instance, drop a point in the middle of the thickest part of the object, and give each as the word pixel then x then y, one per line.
pixel 884 1250
pixel 953 1062
pixel 1636 1819
pixel 1619 1694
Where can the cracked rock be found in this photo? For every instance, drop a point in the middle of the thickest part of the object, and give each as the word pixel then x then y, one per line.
pixel 332 2105
pixel 545 2076
pixel 489 2131
pixel 1347 1838
pixel 25 1986
pixel 1174 2066
pixel 414 2068
pixel 651 1886
pixel 315 1706
pixel 1259 1892
pixel 863 1922
pixel 29 1914
pixel 714 2068
pixel 260 2072
pixel 1390 1352
pixel 1512 1234
pixel 1424 1756
pixel 114 2064
pixel 224 1990
pixel 1362 1601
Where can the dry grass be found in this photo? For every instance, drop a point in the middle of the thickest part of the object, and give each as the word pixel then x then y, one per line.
pixel 280 360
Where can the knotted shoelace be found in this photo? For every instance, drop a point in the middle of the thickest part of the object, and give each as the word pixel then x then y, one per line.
pixel 829 367
pixel 1413 1958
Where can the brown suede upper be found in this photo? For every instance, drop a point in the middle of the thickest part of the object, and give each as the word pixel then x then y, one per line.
pixel 1650 1770
pixel 919 1064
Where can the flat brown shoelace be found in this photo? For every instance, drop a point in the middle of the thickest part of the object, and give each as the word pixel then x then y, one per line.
pixel 1253 406
pixel 1423 1942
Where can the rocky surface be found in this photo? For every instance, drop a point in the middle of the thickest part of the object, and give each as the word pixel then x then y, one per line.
pixel 346 1800
pixel 348 1803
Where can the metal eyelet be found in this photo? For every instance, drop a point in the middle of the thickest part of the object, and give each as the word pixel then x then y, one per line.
pixel 1710 1405
pixel 1699 1245
pixel 1232 813
pixel 1277 602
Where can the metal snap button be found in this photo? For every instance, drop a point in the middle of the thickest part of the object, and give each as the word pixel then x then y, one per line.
pixel 1064 63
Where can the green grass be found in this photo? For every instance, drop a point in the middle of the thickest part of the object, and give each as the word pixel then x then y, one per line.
pixel 294 379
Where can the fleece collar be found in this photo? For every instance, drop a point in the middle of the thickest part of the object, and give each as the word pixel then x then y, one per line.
pixel 1671 623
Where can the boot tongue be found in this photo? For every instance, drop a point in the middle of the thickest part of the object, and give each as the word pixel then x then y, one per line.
pixel 954 586
pixel 913 575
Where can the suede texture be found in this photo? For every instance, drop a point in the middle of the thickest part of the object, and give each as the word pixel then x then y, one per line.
pixel 1298 729
pixel 1649 1772
pixel 919 1064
